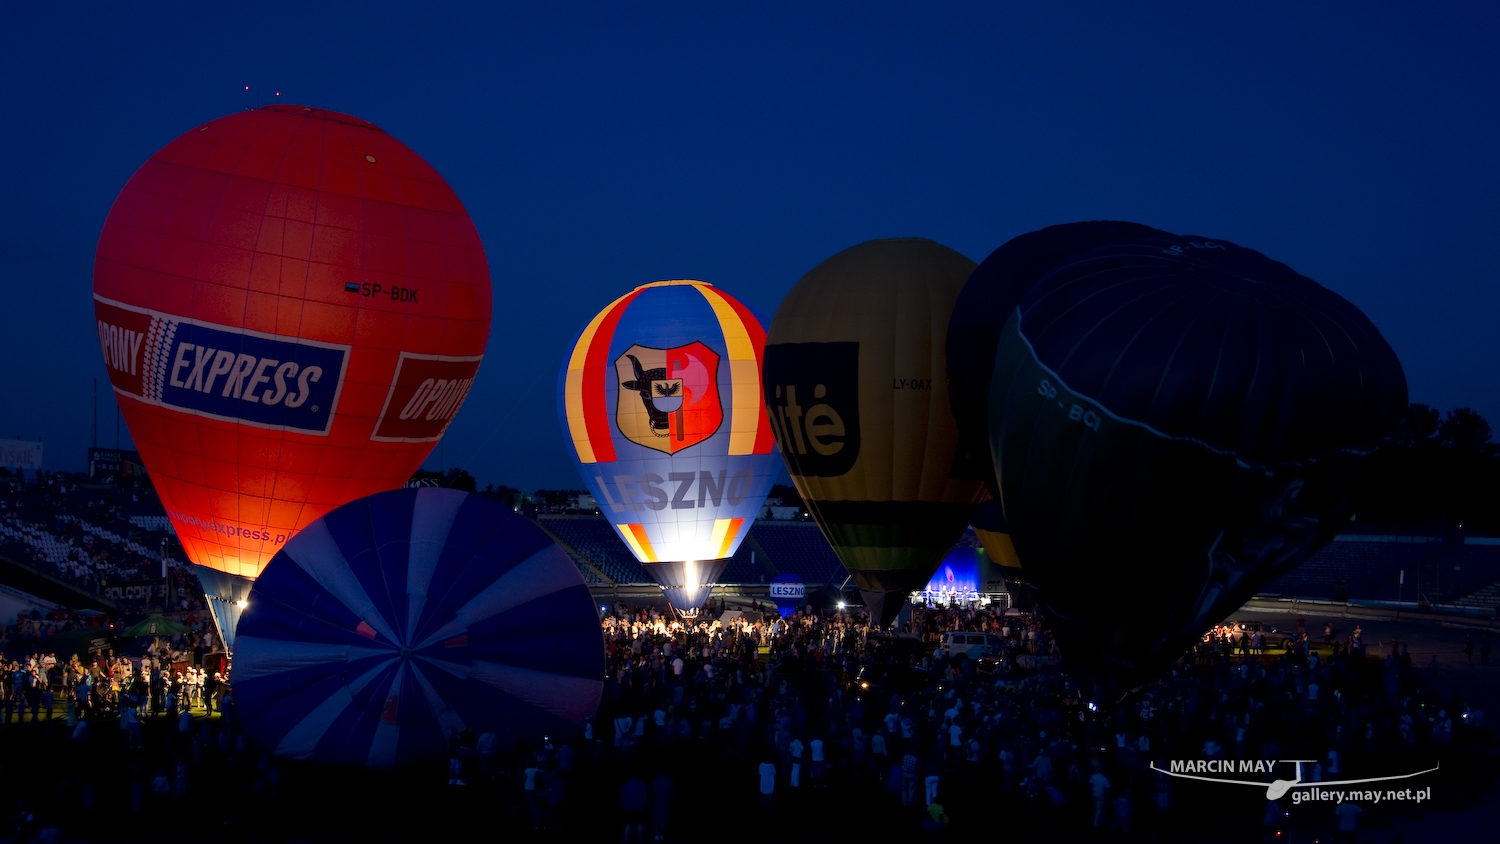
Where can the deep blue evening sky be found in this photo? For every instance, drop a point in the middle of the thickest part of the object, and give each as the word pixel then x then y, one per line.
pixel 599 147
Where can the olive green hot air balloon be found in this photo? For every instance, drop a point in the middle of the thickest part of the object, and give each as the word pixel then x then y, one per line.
pixel 855 382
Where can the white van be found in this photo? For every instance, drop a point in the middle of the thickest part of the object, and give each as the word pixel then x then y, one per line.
pixel 972 645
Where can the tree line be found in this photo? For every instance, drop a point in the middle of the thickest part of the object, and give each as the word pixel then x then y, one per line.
pixel 1440 468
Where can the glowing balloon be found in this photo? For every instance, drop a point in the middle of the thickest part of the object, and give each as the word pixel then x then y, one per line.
pixel 987 300
pixel 855 382
pixel 660 401
pixel 1179 418
pixel 292 306
pixel 788 592
pixel 396 620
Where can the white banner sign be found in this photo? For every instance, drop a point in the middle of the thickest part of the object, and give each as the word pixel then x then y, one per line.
pixel 21 454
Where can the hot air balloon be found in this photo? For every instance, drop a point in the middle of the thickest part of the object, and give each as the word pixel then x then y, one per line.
pixel 854 380
pixel 659 399
pixel 788 592
pixel 291 305
pixel 987 300
pixel 1177 419
pixel 398 619
pixel 994 534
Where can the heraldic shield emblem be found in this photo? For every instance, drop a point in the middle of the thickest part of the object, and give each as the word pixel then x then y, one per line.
pixel 669 398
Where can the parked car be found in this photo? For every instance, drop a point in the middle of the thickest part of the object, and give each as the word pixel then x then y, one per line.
pixel 1272 637
pixel 971 645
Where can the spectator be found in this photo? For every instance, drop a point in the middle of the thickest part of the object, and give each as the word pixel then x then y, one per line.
pixel 1346 816
pixel 1099 788
pixel 634 799
pixel 662 790
pixel 767 785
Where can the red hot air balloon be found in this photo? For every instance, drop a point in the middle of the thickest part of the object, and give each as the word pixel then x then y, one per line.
pixel 292 305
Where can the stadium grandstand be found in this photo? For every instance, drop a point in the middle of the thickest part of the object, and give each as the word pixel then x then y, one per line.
pixel 1401 564
pixel 75 543
pixel 1370 563
pixel 72 539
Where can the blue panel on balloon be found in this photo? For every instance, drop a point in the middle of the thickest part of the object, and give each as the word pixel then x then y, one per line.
pixel 398 619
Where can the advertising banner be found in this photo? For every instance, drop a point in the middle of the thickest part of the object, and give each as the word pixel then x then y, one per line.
pixel 21 454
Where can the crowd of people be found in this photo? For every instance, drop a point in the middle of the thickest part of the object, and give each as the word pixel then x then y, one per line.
pixel 166 674
pixel 790 701
pixel 78 531
pixel 792 714
pixel 798 715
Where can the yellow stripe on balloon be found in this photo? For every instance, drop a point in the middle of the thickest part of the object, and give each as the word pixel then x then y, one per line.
pixel 640 544
pixel 573 388
pixel 744 373
pixel 725 531
pixel 676 282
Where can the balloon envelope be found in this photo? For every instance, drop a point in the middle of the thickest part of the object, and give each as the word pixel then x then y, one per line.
pixel 991 530
pixel 397 619
pixel 854 380
pixel 993 533
pixel 987 300
pixel 788 592
pixel 660 401
pixel 1177 416
pixel 291 305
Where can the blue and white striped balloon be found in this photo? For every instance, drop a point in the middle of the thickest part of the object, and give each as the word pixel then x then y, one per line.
pixel 397 619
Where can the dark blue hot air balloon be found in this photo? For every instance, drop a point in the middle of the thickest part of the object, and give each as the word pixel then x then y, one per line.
pixel 987 300
pixel 397 619
pixel 1175 421
pixel 788 592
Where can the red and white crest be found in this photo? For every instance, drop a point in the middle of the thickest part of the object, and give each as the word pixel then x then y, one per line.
pixel 668 398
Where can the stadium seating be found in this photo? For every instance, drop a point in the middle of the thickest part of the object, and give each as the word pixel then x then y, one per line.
pixel 1341 569
pixel 86 535
pixel 746 565
pixel 593 538
pixel 799 548
pixel 1354 567
pixel 80 534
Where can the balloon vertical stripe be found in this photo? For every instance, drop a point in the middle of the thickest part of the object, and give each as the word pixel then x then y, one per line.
pixel 725 532
pixel 588 421
pixel 750 427
pixel 635 536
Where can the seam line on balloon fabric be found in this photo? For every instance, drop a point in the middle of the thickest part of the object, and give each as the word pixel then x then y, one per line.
pixel 1223 452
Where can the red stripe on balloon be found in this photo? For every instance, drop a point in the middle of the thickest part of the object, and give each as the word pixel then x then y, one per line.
pixel 764 437
pixel 595 411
